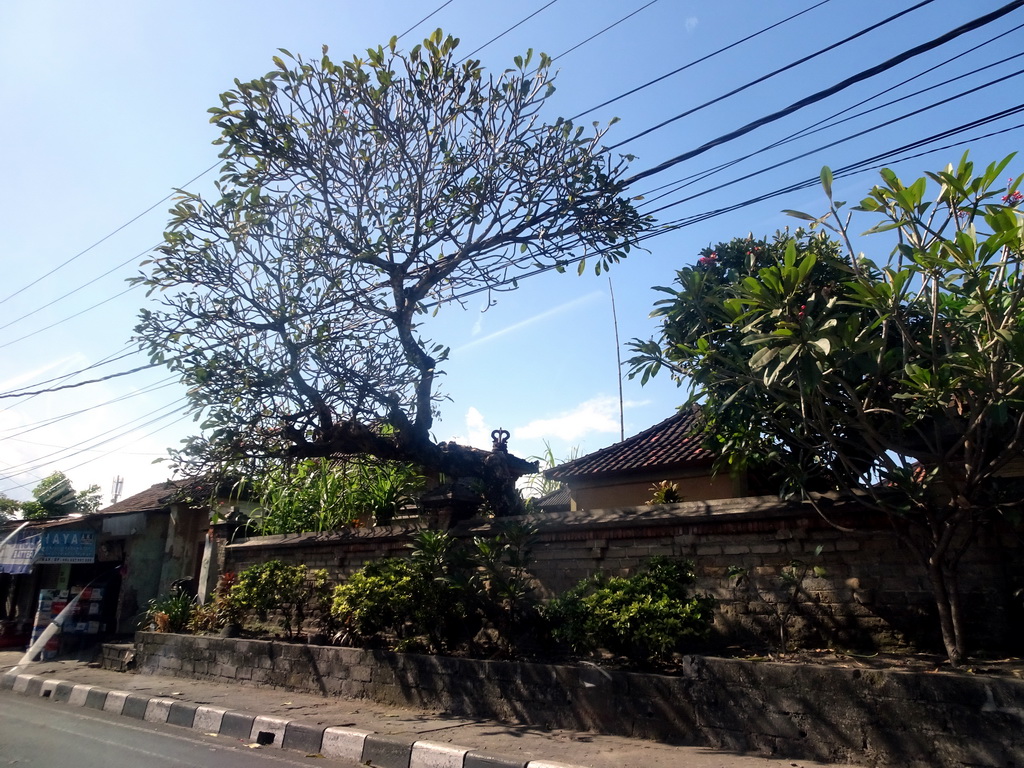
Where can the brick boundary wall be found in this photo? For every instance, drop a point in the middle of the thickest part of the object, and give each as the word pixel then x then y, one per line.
pixel 872 595
pixel 872 717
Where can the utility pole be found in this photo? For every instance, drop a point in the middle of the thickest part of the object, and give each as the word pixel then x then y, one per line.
pixel 116 488
pixel 618 363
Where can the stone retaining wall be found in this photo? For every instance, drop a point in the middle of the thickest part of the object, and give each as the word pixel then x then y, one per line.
pixel 882 718
pixel 873 592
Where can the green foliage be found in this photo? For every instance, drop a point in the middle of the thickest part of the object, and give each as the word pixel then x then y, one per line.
pixel 900 380
pixel 8 507
pixel 355 197
pixel 276 587
pixel 221 611
pixel 443 595
pixel 323 495
pixel 665 492
pixel 503 584
pixel 644 617
pixel 170 613
pixel 55 497
pixel 397 600
pixel 538 484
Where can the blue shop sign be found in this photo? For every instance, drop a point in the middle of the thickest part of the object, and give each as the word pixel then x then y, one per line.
pixel 67 546
pixel 18 554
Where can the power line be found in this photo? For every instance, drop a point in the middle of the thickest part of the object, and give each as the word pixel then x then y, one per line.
pixel 831 122
pixel 514 26
pixel 49 422
pixel 7 395
pixel 33 470
pixel 69 317
pixel 832 90
pixel 425 18
pixel 107 237
pixel 611 26
pixel 697 61
pixel 772 74
pixel 49 458
pixel 111 358
pixel 837 142
pixel 72 292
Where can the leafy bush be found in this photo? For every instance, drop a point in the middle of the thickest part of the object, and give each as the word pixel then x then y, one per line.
pixel 170 613
pixel 443 595
pixel 416 603
pixel 221 611
pixel 644 617
pixel 503 585
pixel 665 492
pixel 324 494
pixel 396 601
pixel 284 589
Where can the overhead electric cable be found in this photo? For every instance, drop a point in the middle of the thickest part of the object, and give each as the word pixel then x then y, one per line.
pixel 858 167
pixel 37 331
pixel 821 125
pixel 969 52
pixel 517 24
pixel 92 450
pixel 772 74
pixel 606 29
pixel 111 358
pixel 697 61
pixel 49 422
pixel 119 374
pixel 107 237
pixel 143 437
pixel 837 142
pixel 425 18
pixel 76 290
pixel 121 430
pixel 1000 115
pixel 823 94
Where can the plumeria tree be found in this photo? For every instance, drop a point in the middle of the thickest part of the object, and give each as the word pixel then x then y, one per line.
pixel 355 198
pixel 897 382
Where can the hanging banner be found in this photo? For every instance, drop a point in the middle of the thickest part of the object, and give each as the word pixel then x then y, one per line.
pixel 18 554
pixel 67 546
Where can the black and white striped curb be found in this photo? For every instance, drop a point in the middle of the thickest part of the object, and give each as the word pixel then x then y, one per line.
pixel 345 743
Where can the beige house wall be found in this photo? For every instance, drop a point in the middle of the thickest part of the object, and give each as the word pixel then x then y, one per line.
pixel 631 493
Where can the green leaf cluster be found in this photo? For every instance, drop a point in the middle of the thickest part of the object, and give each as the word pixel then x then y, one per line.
pixel 644 617
pixel 899 379
pixel 324 495
pixel 276 587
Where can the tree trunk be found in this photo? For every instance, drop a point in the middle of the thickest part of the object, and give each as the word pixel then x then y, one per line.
pixel 947 601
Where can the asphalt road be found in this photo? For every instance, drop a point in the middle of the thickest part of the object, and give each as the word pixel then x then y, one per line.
pixel 38 734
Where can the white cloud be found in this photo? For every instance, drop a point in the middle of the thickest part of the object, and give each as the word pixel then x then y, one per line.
pixel 529 321
pixel 691 23
pixel 599 414
pixel 476 434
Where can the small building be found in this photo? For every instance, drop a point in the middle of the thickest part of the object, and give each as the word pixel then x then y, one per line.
pixel 624 474
pixel 121 557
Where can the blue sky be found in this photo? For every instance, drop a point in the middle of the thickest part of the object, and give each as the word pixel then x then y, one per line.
pixel 105 113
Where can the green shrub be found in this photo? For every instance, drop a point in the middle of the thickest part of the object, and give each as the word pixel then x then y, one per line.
pixel 221 611
pixel 279 588
pixel 399 602
pixel 170 613
pixel 443 595
pixel 644 617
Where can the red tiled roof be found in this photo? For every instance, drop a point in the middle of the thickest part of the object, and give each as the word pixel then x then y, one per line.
pixel 154 498
pixel 668 445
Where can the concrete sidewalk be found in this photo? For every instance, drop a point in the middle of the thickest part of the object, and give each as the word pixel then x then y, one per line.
pixel 378 735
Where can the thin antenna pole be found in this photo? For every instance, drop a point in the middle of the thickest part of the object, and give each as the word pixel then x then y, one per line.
pixel 618 363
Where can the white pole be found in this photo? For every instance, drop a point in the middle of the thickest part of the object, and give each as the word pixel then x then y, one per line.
pixel 48 633
pixel 14 533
